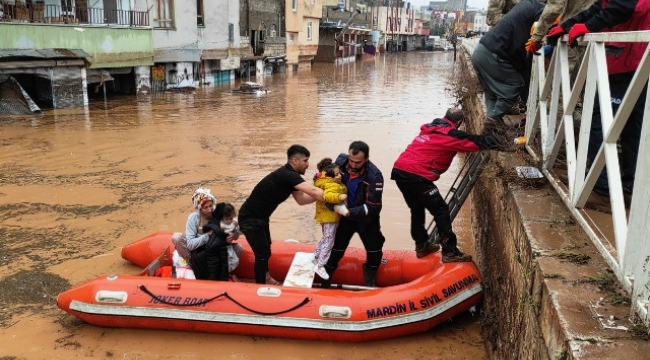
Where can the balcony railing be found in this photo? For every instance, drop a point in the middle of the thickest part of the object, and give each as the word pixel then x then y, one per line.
pixel 41 13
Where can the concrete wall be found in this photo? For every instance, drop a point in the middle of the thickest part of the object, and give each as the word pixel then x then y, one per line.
pixel 261 14
pixel 267 16
pixel 363 19
pixel 179 42
pixel 109 47
pixel 218 14
pixel 187 41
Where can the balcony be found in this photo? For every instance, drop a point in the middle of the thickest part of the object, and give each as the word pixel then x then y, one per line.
pixel 54 14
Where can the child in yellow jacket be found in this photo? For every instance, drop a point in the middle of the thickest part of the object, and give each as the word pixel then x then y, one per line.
pixel 328 178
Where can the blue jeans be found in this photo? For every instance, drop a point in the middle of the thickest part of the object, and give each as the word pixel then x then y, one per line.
pixel 502 84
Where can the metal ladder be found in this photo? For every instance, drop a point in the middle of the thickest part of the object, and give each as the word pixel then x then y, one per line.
pixel 460 189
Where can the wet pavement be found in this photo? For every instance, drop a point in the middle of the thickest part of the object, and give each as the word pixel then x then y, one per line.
pixel 77 185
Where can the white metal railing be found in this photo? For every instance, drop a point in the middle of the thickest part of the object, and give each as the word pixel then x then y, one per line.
pixel 551 119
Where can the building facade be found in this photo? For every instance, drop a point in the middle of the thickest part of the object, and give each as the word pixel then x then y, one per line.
pixel 195 42
pixel 302 32
pixel 62 52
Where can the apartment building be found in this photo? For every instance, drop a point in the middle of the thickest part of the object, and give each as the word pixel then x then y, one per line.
pixel 60 52
pixel 195 42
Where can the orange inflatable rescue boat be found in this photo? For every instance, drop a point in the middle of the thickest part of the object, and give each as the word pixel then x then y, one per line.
pixel 413 295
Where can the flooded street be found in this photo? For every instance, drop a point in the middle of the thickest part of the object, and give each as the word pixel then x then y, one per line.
pixel 76 186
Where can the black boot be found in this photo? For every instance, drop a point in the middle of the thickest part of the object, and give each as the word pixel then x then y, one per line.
pixel 369 275
pixel 450 252
pixel 425 248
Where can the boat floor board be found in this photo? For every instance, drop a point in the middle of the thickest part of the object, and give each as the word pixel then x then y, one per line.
pixel 301 272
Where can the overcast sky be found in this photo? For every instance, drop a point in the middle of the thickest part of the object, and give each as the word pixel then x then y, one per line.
pixel 470 3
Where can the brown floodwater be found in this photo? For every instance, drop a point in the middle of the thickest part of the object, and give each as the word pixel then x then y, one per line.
pixel 76 186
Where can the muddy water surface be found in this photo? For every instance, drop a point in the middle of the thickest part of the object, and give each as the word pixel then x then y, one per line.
pixel 75 186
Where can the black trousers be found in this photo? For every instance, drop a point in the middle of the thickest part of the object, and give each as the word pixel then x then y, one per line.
pixel 258 235
pixel 371 236
pixel 421 196
pixel 630 136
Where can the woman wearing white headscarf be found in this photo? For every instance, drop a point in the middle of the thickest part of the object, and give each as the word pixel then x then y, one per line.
pixel 203 245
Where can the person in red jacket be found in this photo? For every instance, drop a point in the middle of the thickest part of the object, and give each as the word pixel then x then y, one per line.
pixel 424 160
pixel 622 61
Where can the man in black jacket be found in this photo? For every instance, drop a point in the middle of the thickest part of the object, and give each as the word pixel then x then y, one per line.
pixel 365 185
pixel 500 60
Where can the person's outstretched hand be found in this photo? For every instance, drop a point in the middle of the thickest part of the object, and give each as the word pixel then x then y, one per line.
pixel 577 31
pixel 533 46
pixel 554 34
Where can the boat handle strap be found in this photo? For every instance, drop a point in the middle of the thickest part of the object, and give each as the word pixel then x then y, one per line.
pixel 223 294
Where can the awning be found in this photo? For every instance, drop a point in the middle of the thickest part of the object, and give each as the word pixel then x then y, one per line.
pixel 278 58
pixel 45 53
pixel 357 31
pixel 98 76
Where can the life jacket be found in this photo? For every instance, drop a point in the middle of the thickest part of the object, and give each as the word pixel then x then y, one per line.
pixel 166 272
pixel 625 57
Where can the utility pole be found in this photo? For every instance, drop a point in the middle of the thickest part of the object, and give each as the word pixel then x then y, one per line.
pixel 347 24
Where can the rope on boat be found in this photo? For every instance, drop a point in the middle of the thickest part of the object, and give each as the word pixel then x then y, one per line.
pixel 223 294
pixel 304 302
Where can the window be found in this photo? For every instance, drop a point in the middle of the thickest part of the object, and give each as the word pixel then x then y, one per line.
pixel 231 33
pixel 309 30
pixel 272 31
pixel 199 13
pixel 294 5
pixel 291 37
pixel 163 16
pixel 67 5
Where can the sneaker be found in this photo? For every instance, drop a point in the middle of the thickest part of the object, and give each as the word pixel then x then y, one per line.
pixel 426 250
pixel 320 270
pixel 522 107
pixel 521 123
pixel 455 256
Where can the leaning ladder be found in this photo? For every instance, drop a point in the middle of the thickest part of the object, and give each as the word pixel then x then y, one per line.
pixel 460 189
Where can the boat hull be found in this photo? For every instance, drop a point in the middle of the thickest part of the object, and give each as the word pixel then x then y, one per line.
pixel 415 295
